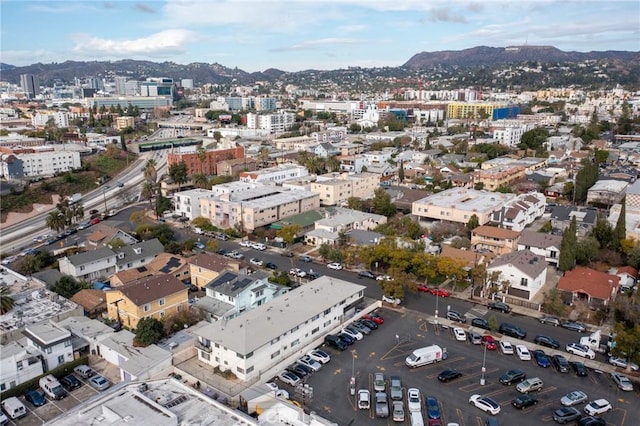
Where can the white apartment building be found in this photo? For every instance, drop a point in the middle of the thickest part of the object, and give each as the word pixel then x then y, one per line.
pixel 336 188
pixel 50 162
pixel 51 342
pixel 253 343
pixel 275 123
pixel 276 174
pixel 520 212
pixel 509 132
pixel 41 119
pixel 18 364
pixel 187 203
pixel 377 157
pixel 353 163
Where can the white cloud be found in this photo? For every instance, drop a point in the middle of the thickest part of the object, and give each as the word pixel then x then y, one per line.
pixel 318 44
pixel 28 57
pixel 164 43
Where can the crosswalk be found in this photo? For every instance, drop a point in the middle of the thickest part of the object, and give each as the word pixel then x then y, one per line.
pixel 477 312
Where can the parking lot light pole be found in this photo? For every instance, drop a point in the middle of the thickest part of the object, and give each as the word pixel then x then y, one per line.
pixel 436 315
pixel 104 197
pixel 484 358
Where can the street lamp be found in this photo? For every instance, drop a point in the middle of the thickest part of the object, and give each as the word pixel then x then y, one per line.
pixel 436 315
pixel 104 197
pixel 484 358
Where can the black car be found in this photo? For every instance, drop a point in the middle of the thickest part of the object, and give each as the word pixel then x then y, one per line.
pixel 566 414
pixel 560 363
pixel 574 326
pixel 366 274
pixel 512 376
pixel 512 331
pixel 335 342
pixel 222 252
pixel 480 323
pixel 499 306
pixel 271 265
pixel 592 421
pixel 299 369
pixel 449 374
pixel 456 316
pixel 313 275
pixel 547 341
pixel 578 368
pixel 524 401
pixel 368 323
pixel 346 339
pixel 70 382
pixel 286 254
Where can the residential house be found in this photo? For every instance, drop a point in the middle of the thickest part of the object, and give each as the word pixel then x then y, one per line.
pixel 359 237
pixel 205 267
pixel 522 273
pixel 51 342
pixel 137 255
pixel 135 363
pixel 342 221
pixel 607 192
pixel 520 212
pixel 18 364
pixel 103 235
pixel 232 293
pixel 156 296
pixel 628 277
pixel 469 257
pixel 164 263
pixel 324 150
pixel 272 333
pixel 93 302
pixel 459 204
pixel 585 285
pixel 496 240
pixel 561 217
pixel 87 334
pixel 544 245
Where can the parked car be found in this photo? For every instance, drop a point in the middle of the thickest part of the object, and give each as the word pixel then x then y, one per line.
pixel 512 330
pixel 592 421
pixel 312 275
pixel 379 384
pixel 382 405
pixel 550 319
pixel 599 406
pixel 566 414
pixel 307 361
pixel 398 411
pixel 335 342
pixel 271 265
pixel 578 368
pixel 523 401
pixel 245 243
pixel 499 306
pixel 392 300
pixel 319 355
pixel 84 371
pixel 384 278
pixel 361 327
pixel 374 317
pixel 560 363
pixel 480 323
pixel 433 408
pixel 622 381
pixel 395 387
pixel 289 378
pixel 449 374
pixel 70 382
pixel 258 246
pixel 573 398
pixel 99 383
pixel 256 262
pixel 574 326
pixel 512 376
pixel 306 259
pixel 580 350
pixel 368 323
pixel 547 341
pixel 299 370
pixel 530 385
pixel 542 359
pixel 485 404
pixel 353 333
pixel 35 397
pixel 297 272
pixel 523 353
pixel 506 347
pixel 335 266
pixel 474 338
pixel 622 363
pixel 456 316
pixel 366 274
pixel 364 399
pixel 459 334
pixel 413 400
pixel 440 292
pixel 423 288
pixel 489 342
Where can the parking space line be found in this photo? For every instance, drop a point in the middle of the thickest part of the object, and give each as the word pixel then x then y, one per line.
pixel 460 417
pixel 34 413
pixel 479 421
pixel 624 415
pixel 549 389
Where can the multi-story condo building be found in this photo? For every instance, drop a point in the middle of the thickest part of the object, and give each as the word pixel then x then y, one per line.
pixel 494 178
pixel 265 104
pixel 276 174
pixel 148 103
pixel 274 123
pixel 509 132
pixel 206 161
pixel 59 118
pixel 187 203
pixel 251 344
pixel 124 122
pixel 30 85
pixel 473 110
pixel 51 342
pixel 257 206
pixel 48 162
pixel 18 364
pixel 336 188
pixel 496 240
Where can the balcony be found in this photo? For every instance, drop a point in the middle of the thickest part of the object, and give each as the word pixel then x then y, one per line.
pixel 203 348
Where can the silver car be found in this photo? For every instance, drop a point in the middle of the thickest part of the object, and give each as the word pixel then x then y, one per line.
pixel 622 382
pixel 378 382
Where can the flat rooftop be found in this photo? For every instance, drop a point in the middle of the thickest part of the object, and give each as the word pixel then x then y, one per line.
pixel 165 402
pixel 467 199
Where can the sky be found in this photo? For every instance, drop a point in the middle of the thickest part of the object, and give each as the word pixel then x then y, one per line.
pixel 295 35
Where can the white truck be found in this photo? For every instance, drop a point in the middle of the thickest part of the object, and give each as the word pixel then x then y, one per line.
pixel 597 343
pixel 72 199
pixel 426 355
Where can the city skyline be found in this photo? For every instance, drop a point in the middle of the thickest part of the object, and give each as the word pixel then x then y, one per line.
pixel 302 34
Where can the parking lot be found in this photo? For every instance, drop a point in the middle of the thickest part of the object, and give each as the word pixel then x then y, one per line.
pixel 53 408
pixel 386 349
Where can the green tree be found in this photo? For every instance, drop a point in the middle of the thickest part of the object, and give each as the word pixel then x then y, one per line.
pixel 567 258
pixel 547 227
pixel 473 223
pixel 603 233
pixel 148 332
pixel 200 180
pixel 534 139
pixel 627 342
pixel 553 304
pixel 585 178
pixel 117 243
pixel 55 221
pixel 178 173
pixel 217 135
pixel 355 203
pixel 382 203
pixel 6 301
pixel 150 172
pixel 280 277
pixel 148 191
pixel 67 286
pixel 601 156
pixel 288 233
pixel 620 231
pixel 493 322
pixel 586 251
pixel 401 172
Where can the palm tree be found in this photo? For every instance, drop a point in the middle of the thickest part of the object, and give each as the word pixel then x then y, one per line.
pixel 150 172
pixel 263 155
pixel 55 220
pixel 332 164
pixel 6 301
pixel 148 191
pixel 202 157
pixel 200 180
pixel 178 173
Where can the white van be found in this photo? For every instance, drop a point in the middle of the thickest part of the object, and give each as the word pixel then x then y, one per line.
pixel 14 408
pixel 416 418
pixel 52 387
pixel 426 355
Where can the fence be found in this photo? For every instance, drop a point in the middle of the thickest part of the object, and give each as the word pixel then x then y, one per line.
pixel 523 303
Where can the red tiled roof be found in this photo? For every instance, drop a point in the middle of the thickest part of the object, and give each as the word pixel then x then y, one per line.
pixel 492 231
pixel 628 270
pixel 596 284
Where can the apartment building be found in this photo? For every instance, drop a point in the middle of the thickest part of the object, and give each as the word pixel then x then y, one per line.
pixel 354 163
pixel 258 340
pixel 607 192
pixel 473 110
pixel 206 267
pixel 124 122
pixel 520 212
pixel 58 118
pixel 257 206
pixel 276 174
pixel 187 203
pixel 298 143
pixel 206 161
pixel 18 364
pixel 156 296
pixel 48 162
pixel 459 204
pixel 235 167
pixel 546 246
pixel 275 123
pixel 336 188
pixel 52 343
pixel 497 177
pixel 497 240
pixel 509 132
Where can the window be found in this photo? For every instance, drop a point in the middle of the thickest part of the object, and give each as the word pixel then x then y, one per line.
pixel 275 354
pixel 19 364
pixel 523 282
pixel 295 342
pixel 48 350
pixel 146 308
pixel 67 343
pixel 240 370
pixel 60 359
pixel 315 330
pixel 250 369
pixel 161 302
pixel 553 254
pixel 327 324
pixel 161 314
pixel 2 387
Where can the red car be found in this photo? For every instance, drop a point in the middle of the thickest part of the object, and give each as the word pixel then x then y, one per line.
pixel 440 292
pixel 95 221
pixel 489 342
pixel 423 288
pixel 374 317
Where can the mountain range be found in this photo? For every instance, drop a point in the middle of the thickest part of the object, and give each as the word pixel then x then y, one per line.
pixel 467 59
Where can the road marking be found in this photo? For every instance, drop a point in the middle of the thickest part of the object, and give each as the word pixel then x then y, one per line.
pixel 460 417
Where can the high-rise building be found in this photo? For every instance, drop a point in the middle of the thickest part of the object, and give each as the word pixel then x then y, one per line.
pixel 30 85
pixel 120 84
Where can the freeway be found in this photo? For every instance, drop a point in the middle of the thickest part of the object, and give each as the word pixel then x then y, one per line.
pixel 112 196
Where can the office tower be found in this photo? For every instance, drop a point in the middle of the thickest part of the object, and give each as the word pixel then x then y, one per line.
pixel 30 85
